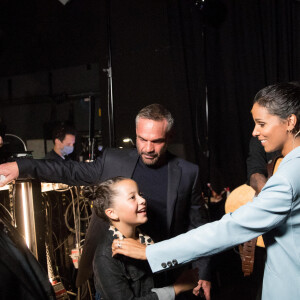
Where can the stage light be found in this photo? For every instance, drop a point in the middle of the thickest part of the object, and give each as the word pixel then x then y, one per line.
pixel 128 140
pixel 64 2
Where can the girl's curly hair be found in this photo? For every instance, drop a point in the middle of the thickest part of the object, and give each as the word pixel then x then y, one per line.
pixel 102 196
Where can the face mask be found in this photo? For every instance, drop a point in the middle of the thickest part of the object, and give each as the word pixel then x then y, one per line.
pixel 66 150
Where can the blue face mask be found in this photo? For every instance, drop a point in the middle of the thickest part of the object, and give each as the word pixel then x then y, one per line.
pixel 67 150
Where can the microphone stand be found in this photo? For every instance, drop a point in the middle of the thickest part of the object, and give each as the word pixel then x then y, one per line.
pixel 110 100
pixel 91 100
pixel 205 146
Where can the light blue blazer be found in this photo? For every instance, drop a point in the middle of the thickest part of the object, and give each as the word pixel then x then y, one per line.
pixel 275 213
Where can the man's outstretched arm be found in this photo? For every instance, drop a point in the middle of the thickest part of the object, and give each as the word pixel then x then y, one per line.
pixel 70 172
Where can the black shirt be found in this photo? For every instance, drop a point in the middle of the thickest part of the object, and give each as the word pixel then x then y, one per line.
pixel 53 155
pixel 153 184
pixel 258 159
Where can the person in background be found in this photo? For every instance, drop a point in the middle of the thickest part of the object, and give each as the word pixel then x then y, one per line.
pixel 257 161
pixel 2 133
pixel 22 277
pixel 5 152
pixel 64 137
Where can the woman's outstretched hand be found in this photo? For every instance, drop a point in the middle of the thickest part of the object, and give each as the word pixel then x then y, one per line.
pixel 129 247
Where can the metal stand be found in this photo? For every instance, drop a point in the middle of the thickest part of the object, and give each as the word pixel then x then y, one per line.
pixel 30 219
pixel 110 100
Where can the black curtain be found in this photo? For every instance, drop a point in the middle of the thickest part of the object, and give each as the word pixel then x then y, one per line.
pixel 231 49
pixel 184 54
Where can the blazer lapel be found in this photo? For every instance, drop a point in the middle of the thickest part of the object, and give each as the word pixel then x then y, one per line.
pixel 131 164
pixel 174 175
pixel 126 164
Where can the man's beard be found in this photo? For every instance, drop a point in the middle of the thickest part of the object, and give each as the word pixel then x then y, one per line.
pixel 150 162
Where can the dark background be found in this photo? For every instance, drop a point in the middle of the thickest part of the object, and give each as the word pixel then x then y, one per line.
pixel 178 53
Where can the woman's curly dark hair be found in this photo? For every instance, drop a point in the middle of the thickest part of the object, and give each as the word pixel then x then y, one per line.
pixel 102 196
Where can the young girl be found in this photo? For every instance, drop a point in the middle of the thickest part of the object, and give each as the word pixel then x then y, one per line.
pixel 119 202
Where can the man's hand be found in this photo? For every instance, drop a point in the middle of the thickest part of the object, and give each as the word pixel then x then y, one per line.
pixel 205 286
pixel 129 247
pixel 215 197
pixel 10 171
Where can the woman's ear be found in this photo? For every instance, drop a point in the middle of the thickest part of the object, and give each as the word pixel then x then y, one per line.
pixel 292 121
pixel 110 212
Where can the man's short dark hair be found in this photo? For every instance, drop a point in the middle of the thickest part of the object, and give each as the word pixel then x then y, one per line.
pixel 156 112
pixel 61 130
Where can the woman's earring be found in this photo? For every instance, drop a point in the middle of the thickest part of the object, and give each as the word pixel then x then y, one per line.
pixel 297 133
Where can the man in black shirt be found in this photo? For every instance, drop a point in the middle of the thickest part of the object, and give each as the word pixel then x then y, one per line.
pixel 257 161
pixel 63 137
